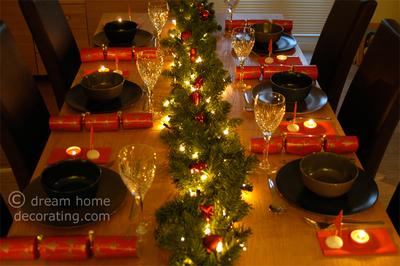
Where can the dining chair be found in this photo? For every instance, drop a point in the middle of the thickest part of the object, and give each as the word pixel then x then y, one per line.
pixel 337 45
pixel 5 218
pixel 393 209
pixel 55 42
pixel 370 109
pixel 24 115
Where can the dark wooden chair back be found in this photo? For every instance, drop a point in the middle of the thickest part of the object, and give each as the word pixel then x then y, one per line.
pixel 393 209
pixel 371 107
pixel 337 45
pixel 55 42
pixel 5 218
pixel 24 115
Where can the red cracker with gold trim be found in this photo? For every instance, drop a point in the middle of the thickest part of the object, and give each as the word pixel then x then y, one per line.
pixel 136 120
pixel 102 122
pixel 18 248
pixel 341 144
pixel 64 248
pixel 114 246
pixel 302 145
pixel 257 145
pixel 66 122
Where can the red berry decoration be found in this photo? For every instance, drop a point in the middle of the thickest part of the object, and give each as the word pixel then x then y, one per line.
pixel 207 211
pixel 210 242
pixel 201 118
pixel 200 6
pixel 193 51
pixel 197 167
pixel 192 58
pixel 198 83
pixel 195 97
pixel 186 35
pixel 204 15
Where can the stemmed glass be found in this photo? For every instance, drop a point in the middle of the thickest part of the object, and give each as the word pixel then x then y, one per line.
pixel 150 66
pixel 242 43
pixel 137 167
pixel 158 13
pixel 269 108
pixel 230 4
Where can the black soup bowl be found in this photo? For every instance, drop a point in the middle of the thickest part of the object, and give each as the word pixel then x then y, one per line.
pixel 120 32
pixel 69 179
pixel 267 31
pixel 102 86
pixel 295 86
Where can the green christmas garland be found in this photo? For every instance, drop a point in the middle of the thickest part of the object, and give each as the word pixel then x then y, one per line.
pixel 200 226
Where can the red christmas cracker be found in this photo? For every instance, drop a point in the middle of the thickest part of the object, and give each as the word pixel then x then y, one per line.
pixel 341 144
pixel 102 122
pixel 249 72
pixel 303 145
pixel 66 123
pixel 18 248
pixel 270 70
pixel 64 248
pixel 290 60
pixel 257 145
pixel 123 53
pixel 136 120
pixel 231 24
pixel 286 24
pixel 310 70
pixel 114 246
pixel 92 54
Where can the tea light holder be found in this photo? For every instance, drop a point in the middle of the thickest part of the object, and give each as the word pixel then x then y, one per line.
pixel 103 69
pixel 359 236
pixel 310 123
pixel 73 151
pixel 281 57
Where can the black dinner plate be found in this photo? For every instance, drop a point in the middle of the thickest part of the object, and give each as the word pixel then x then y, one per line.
pixel 111 189
pixel 285 43
pixel 76 98
pixel 362 195
pixel 314 101
pixel 142 38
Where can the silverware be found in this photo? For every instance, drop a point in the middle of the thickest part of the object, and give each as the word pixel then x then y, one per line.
pixel 274 207
pixel 324 225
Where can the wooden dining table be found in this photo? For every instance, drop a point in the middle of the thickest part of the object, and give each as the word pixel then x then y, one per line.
pixel 283 239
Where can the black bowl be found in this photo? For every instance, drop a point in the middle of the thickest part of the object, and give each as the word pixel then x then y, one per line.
pixel 295 86
pixel 69 179
pixel 267 31
pixel 120 31
pixel 102 86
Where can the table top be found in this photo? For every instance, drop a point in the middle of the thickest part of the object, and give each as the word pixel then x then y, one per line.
pixel 276 239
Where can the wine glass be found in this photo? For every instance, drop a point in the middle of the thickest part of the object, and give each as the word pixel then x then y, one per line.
pixel 158 13
pixel 137 167
pixel 269 108
pixel 150 65
pixel 230 4
pixel 242 43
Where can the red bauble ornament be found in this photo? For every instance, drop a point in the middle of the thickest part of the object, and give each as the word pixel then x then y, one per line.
pixel 186 35
pixel 195 97
pixel 201 118
pixel 197 167
pixel 198 82
pixel 210 242
pixel 193 51
pixel 204 15
pixel 207 211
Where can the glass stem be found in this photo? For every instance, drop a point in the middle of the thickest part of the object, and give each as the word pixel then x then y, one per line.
pixel 241 71
pixel 141 210
pixel 150 101
pixel 267 138
pixel 230 13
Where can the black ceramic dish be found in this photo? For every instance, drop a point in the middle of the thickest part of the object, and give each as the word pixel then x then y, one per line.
pixel 264 32
pixel 69 179
pixel 315 100
pixel 285 43
pixel 142 38
pixel 77 99
pixel 295 86
pixel 362 195
pixel 110 194
pixel 102 86
pixel 120 31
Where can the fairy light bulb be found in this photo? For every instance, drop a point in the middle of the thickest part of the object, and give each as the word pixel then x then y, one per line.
pixel 223 213
pixel 203 177
pixel 208 100
pixel 166 118
pixel 199 60
pixel 219 247
pixel 182 239
pixel 193 76
pixel 174 22
pixel 187 82
pixel 166 103
pixel 172 35
pixel 195 155
pixel 207 230
pixel 181 148
pixel 192 193
pixel 226 131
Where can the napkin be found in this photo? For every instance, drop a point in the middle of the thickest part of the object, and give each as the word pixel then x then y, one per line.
pixel 102 122
pixel 136 120
pixel 258 144
pixel 114 246
pixel 286 24
pixel 379 243
pixel 302 145
pixel 58 154
pixel 341 144
pixel 66 123
pixel 100 54
pixel 290 60
pixel 64 248
pixel 323 128
pixel 18 248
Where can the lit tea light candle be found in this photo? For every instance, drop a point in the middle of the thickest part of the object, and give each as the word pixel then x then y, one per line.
pixel 73 151
pixel 119 19
pixel 359 236
pixel 310 123
pixel 281 57
pixel 103 69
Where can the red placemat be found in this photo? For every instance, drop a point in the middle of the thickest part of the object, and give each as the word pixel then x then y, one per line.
pixel 323 128
pixel 59 154
pixel 379 243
